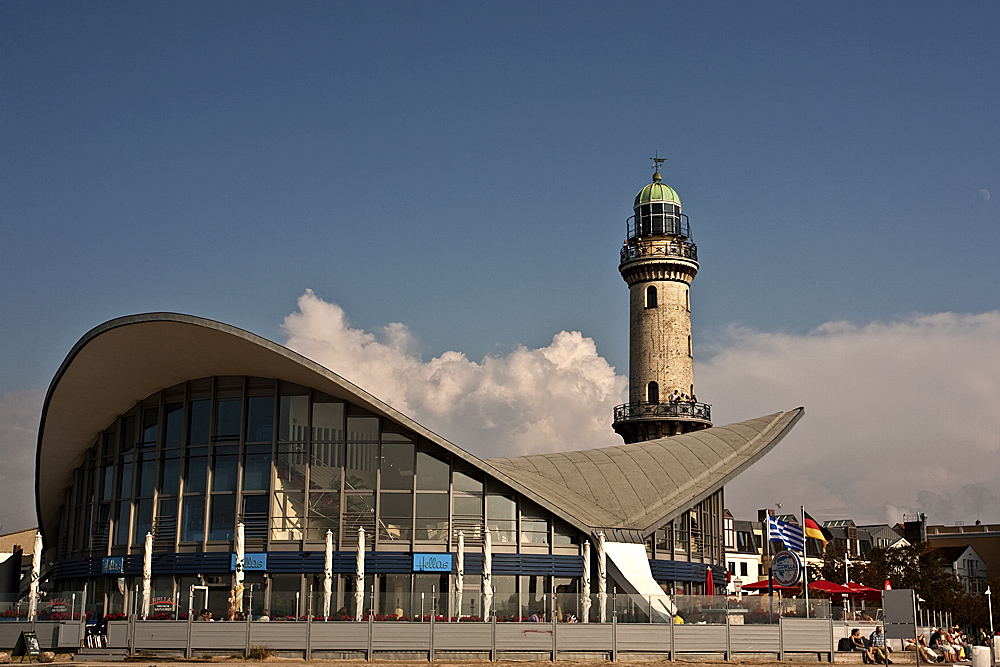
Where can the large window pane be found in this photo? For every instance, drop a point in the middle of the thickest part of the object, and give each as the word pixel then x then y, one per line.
pixel 328 422
pixel 396 516
pixel 125 481
pixel 359 512
pixel 287 516
pixel 362 463
pixel 256 471
pixel 227 418
pixel 194 519
pixel 173 418
pixel 326 466
pixel 147 475
pixel 127 439
pixel 108 486
pixel 198 427
pixel 397 466
pixel 463 481
pixel 195 474
pixel 563 533
pixel 501 517
pixel 534 526
pixel 293 418
pixel 362 429
pixel 224 468
pixel 324 514
pixel 150 423
pixel 432 473
pixel 223 517
pixel 122 524
pixel 290 468
pixel 260 419
pixel 143 520
pixel 284 601
pixel 432 516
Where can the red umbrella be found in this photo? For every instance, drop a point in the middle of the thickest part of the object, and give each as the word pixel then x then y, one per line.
pixel 762 586
pixel 862 592
pixel 709 582
pixel 830 587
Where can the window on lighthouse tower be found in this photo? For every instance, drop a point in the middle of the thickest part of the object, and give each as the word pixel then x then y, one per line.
pixel 652 393
pixel 651 297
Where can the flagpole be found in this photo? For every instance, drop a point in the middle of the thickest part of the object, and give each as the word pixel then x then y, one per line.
pixel 805 565
pixel 770 570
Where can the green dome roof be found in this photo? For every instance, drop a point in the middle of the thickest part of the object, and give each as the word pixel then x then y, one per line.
pixel 656 191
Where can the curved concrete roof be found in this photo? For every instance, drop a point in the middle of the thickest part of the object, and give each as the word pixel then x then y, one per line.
pixel 123 361
pixel 639 487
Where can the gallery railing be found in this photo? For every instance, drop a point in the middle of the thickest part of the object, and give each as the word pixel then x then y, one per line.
pixel 645 250
pixel 680 409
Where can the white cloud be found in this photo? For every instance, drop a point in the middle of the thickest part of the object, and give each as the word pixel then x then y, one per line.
pixel 558 397
pixel 900 417
pixel 19 414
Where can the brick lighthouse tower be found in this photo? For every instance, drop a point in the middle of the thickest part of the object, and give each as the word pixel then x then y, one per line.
pixel 659 261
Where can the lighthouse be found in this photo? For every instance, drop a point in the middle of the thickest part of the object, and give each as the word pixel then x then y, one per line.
pixel 658 263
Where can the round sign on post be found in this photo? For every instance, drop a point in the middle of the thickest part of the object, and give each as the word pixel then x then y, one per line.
pixel 787 568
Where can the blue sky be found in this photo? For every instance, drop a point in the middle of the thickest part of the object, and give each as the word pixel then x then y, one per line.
pixel 466 169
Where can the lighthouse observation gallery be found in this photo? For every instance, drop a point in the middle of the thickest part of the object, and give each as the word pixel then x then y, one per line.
pixel 245 468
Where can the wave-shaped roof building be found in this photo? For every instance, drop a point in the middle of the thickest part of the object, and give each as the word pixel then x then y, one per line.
pixel 183 429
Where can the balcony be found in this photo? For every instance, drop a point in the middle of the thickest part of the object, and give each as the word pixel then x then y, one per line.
pixel 687 411
pixel 650 250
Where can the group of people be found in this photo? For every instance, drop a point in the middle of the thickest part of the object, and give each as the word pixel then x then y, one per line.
pixel 946 645
pixel 677 397
pixel 875 649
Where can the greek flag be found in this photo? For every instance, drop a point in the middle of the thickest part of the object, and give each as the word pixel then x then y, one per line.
pixel 791 535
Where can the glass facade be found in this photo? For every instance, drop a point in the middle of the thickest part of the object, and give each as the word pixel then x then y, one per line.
pixel 293 464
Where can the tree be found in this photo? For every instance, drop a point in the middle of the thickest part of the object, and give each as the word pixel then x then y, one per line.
pixel 832 568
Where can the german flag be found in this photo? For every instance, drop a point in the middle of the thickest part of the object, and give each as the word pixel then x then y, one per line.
pixel 815 530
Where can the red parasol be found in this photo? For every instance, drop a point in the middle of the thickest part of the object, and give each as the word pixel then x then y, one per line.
pixel 862 592
pixel 762 586
pixel 709 582
pixel 830 587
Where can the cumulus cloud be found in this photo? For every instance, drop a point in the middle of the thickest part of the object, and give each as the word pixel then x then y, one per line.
pixel 19 413
pixel 900 416
pixel 558 397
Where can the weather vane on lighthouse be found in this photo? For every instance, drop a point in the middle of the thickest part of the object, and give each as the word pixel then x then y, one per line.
pixel 657 161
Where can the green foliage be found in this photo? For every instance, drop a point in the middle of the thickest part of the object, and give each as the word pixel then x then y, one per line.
pixel 915 567
pixel 832 568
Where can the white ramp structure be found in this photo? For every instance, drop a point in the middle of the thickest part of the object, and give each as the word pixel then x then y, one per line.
pixel 629 566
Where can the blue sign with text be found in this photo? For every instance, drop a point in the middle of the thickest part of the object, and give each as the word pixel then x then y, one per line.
pixel 432 562
pixel 113 565
pixel 251 562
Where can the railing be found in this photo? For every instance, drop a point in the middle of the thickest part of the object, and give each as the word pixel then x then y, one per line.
pixel 715 625
pixel 631 411
pixel 683 249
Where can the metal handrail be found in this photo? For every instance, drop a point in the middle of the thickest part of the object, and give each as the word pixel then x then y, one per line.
pixel 684 249
pixel 644 410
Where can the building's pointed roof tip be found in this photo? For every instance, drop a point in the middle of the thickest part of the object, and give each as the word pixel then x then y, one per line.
pixel 641 486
